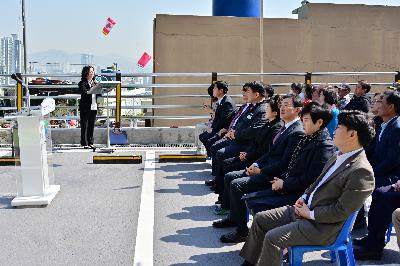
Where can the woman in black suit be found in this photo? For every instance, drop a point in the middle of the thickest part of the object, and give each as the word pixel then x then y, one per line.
pixel 87 106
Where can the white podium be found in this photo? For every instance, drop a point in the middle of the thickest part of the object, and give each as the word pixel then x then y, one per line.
pixel 35 184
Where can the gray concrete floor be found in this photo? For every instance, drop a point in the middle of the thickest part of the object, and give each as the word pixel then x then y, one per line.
pixel 92 221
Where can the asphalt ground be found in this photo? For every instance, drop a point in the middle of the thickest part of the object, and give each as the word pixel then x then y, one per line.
pixel 93 220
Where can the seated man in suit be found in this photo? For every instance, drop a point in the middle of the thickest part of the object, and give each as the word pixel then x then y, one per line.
pixel 360 100
pixel 218 140
pixel 242 132
pixel 306 164
pixel 385 161
pixel 225 109
pixel 259 174
pixel 318 216
pixel 260 145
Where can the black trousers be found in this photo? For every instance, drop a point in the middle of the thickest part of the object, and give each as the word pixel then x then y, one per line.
pixel 239 187
pixel 268 199
pixel 227 166
pixel 384 201
pixel 87 126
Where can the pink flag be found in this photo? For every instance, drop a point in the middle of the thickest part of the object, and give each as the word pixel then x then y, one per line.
pixel 144 60
pixel 109 25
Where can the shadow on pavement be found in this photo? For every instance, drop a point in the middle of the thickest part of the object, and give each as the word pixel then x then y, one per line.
pixel 195 213
pixel 5 202
pixel 217 259
pixel 195 237
pixel 184 167
pixel 186 189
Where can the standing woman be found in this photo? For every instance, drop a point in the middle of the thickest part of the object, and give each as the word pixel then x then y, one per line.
pixel 87 106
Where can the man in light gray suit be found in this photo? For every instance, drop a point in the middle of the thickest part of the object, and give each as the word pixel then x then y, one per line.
pixel 318 216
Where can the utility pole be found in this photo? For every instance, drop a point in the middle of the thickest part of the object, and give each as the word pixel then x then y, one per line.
pixel 24 40
pixel 262 39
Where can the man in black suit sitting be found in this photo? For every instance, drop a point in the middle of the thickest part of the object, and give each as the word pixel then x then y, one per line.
pixel 226 107
pixel 259 174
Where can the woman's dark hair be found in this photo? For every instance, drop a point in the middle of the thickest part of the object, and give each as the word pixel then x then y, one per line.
pixel 393 97
pixel 275 104
pixel 297 101
pixel 269 91
pixel 358 121
pixel 296 87
pixel 365 85
pixel 316 112
pixel 222 85
pixel 85 72
pixel 330 95
pixel 258 86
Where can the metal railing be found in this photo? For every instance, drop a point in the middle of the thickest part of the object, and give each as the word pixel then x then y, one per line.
pixel 117 109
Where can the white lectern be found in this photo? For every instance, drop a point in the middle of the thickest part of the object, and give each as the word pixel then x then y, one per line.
pixel 35 184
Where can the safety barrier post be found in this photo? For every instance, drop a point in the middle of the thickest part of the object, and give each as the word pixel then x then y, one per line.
pixel 397 77
pixel 308 78
pixel 118 102
pixel 19 93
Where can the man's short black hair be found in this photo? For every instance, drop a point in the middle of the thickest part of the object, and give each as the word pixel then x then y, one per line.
pixel 358 121
pixel 393 97
pixel 330 95
pixel 297 101
pixel 210 90
pixel 258 86
pixel 269 90
pixel 222 85
pixel 317 111
pixel 365 85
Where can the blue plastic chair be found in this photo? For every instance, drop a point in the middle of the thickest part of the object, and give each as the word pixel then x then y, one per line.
pixel 342 246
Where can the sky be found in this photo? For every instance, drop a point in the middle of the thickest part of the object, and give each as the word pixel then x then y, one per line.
pixel 74 26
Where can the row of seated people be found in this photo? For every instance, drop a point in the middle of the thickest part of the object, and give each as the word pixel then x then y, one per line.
pixel 276 158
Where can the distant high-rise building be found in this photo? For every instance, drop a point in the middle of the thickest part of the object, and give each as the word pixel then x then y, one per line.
pixel 10 56
pixel 87 59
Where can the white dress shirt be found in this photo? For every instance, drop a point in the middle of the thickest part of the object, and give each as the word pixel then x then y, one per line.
pixel 339 161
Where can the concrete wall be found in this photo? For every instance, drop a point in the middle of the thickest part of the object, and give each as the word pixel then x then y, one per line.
pixel 182 135
pixel 328 37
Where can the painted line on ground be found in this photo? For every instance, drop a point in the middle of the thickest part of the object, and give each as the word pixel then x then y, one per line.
pixel 145 229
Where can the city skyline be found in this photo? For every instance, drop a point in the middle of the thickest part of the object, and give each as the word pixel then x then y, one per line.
pixel 74 26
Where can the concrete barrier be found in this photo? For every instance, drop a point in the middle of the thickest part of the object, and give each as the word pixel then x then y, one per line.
pixel 145 135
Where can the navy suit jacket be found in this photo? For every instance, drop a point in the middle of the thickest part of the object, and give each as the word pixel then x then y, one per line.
pixel 249 124
pixel 276 161
pixel 223 114
pixel 263 141
pixel 385 156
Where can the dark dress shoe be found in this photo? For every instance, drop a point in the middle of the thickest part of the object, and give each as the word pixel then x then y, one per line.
pixel 246 263
pixel 210 182
pixel 367 254
pixel 223 223
pixel 360 241
pixel 234 237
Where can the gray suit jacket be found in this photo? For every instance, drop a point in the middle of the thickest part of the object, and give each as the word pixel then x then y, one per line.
pixel 343 193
